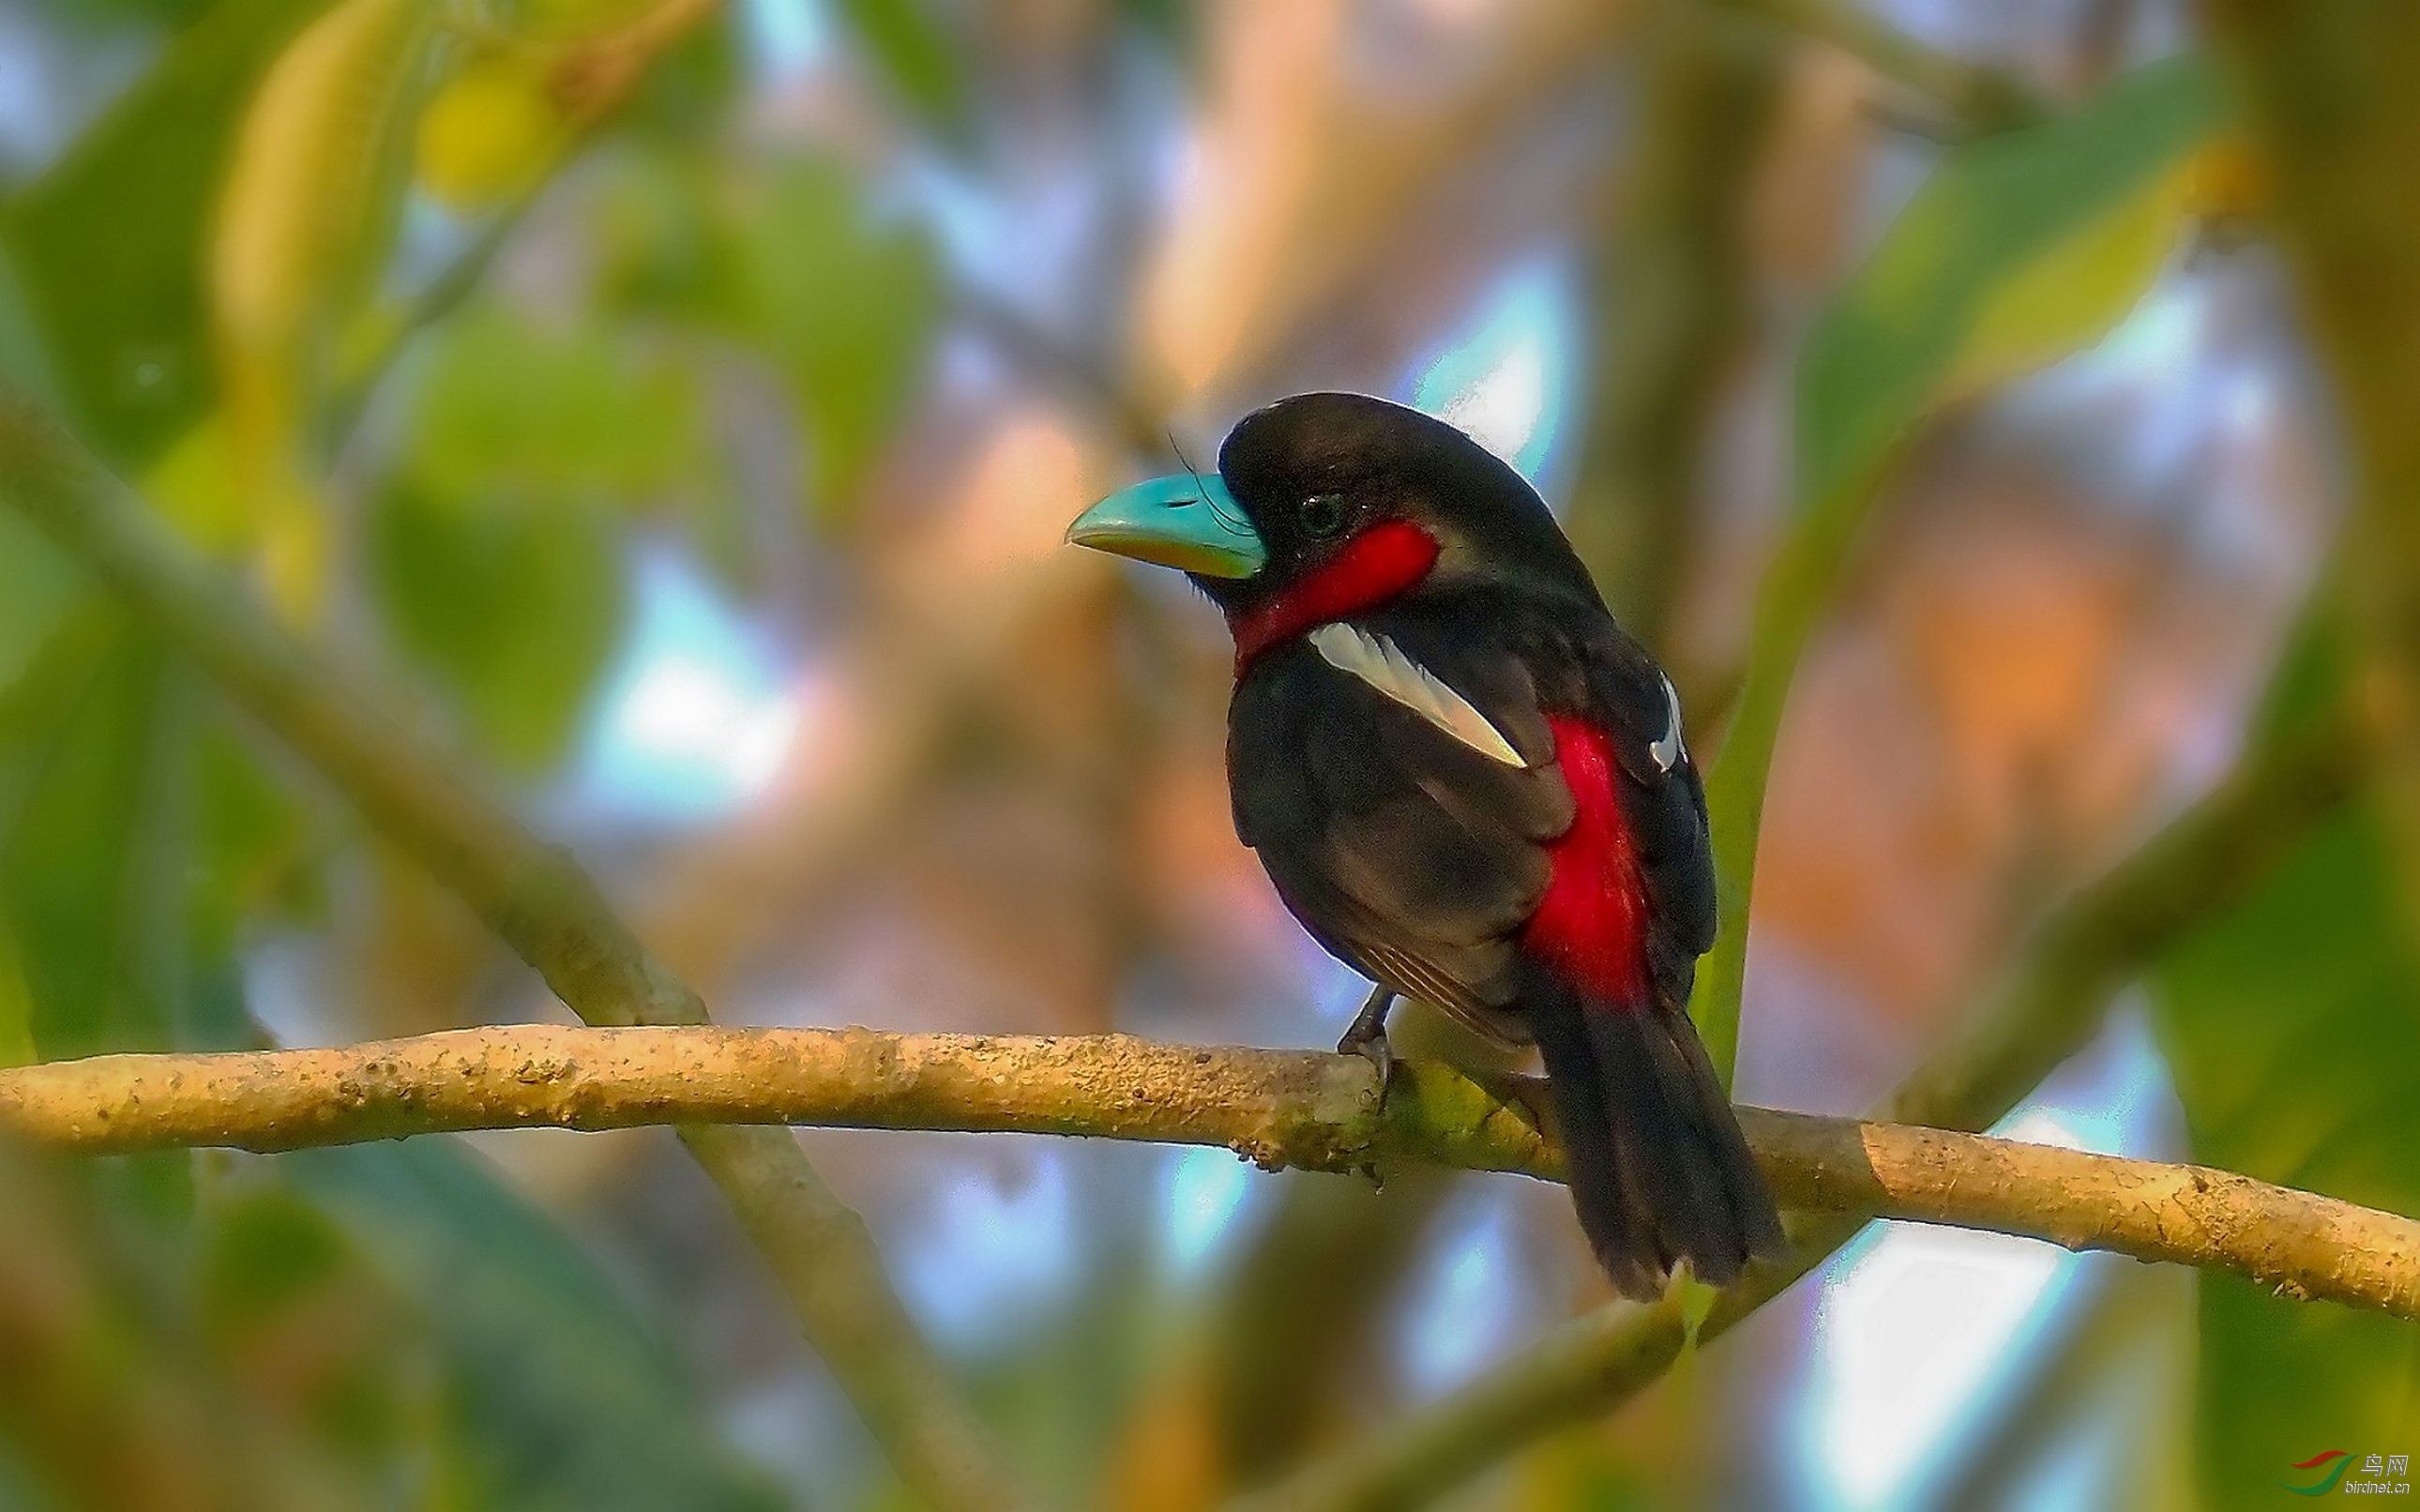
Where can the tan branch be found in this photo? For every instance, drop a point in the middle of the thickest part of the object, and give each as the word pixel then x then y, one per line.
pixel 601 75
pixel 540 902
pixel 1278 1108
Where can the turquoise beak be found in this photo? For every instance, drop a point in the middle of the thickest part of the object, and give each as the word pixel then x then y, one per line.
pixel 1183 522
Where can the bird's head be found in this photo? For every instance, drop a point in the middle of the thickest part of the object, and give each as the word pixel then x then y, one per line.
pixel 1327 504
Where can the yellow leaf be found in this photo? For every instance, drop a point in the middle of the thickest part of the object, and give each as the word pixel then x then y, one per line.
pixel 294 547
pixel 2077 291
pixel 297 197
pixel 490 133
pixel 301 220
pixel 191 486
pixel 266 512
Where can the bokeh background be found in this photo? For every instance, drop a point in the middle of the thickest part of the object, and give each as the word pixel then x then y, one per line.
pixel 675 408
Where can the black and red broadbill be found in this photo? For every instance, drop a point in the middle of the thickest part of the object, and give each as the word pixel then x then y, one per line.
pixel 1470 786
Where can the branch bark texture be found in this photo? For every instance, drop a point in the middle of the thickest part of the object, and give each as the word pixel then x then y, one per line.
pixel 1277 1108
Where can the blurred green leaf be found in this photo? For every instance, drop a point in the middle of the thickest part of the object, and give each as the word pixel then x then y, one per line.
pixel 315 1337
pixel 567 1401
pixel 517 609
pixel 2290 1022
pixel 262 1248
pixel 2311 681
pixel 37 587
pixel 656 230
pixel 1991 243
pixel 111 14
pixel 848 307
pixel 107 246
pixel 102 1391
pixel 16 1005
pixel 512 413
pixel 139 836
pixel 92 860
pixel 254 849
pixel 790 263
pixel 496 553
pixel 2077 290
pixel 912 51
pixel 24 365
pixel 379 1327
pixel 1175 24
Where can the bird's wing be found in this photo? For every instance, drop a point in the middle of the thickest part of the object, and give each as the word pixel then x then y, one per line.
pixel 1400 788
pixel 1616 685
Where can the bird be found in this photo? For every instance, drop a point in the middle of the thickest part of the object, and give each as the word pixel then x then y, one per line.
pixel 1470 786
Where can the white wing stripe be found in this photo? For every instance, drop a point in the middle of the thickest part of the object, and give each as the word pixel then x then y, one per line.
pixel 1671 748
pixel 1379 662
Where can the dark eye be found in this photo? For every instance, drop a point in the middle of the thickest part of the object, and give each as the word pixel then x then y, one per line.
pixel 1321 516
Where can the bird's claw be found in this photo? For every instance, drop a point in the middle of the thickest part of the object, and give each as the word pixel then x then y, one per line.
pixel 1367 1037
pixel 1374 1049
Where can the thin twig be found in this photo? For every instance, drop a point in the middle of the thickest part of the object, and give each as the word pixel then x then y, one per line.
pixel 598 77
pixel 590 84
pixel 1978 97
pixel 539 901
pixel 1140 426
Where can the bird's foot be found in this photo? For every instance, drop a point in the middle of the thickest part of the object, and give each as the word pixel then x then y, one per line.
pixel 1367 1037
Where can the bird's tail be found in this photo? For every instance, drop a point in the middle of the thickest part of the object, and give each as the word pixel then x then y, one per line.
pixel 1658 1167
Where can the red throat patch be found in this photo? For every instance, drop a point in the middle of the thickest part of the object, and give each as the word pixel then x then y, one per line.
pixel 1373 567
pixel 1591 925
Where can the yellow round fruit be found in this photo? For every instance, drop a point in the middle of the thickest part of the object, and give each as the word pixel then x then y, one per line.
pixel 487 134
